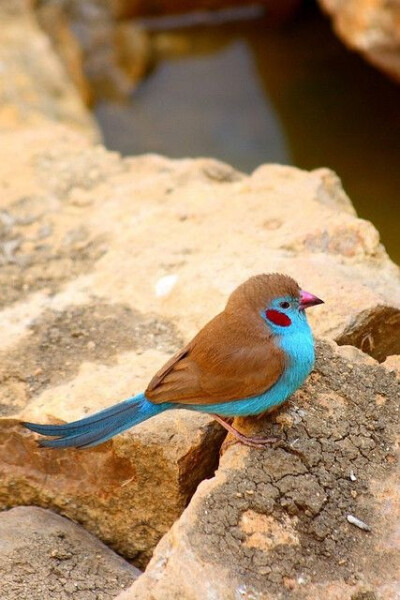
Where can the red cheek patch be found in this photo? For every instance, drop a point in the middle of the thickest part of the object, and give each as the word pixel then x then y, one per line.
pixel 278 318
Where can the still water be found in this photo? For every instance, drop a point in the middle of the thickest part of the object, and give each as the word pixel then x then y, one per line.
pixel 248 94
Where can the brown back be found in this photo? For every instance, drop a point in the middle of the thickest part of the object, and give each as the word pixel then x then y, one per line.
pixel 234 356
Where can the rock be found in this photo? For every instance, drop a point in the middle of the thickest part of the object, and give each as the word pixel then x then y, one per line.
pixel 128 492
pixel 54 22
pixel 45 556
pixel 372 27
pixel 109 266
pixel 280 218
pixel 104 58
pixel 33 84
pixel 273 524
pixel 133 50
pixel 392 363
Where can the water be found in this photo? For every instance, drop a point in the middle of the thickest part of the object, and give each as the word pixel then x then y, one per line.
pixel 247 94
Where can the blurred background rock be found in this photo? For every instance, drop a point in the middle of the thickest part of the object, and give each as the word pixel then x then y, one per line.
pixel 247 83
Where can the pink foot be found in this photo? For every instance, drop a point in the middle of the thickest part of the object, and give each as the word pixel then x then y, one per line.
pixel 254 442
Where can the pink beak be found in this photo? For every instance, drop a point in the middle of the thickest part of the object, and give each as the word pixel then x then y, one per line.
pixel 307 300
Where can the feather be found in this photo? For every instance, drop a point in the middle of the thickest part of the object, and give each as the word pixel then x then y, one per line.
pixel 100 427
pixel 234 356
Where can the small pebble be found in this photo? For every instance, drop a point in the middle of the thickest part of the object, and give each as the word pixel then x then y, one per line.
pixel 358 523
pixel 352 476
pixel 165 284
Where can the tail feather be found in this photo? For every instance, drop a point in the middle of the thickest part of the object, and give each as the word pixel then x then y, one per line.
pixel 100 427
pixel 85 439
pixel 76 426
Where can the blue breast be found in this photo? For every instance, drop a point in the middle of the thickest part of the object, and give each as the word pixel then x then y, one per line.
pixel 298 345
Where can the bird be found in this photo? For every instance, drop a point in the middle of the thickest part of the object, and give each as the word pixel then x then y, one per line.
pixel 246 361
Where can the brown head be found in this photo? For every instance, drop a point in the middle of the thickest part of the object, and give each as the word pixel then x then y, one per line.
pixel 272 291
pixel 258 292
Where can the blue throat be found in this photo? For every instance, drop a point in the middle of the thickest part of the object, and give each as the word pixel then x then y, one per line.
pixel 298 344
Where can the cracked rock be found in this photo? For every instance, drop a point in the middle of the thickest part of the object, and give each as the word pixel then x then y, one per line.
pixel 273 523
pixel 45 556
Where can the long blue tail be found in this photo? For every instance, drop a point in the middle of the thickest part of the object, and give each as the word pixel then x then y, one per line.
pixel 101 426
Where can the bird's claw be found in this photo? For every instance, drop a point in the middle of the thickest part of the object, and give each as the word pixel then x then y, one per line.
pixel 252 442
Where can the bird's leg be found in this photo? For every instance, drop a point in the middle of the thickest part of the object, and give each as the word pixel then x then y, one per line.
pixel 255 442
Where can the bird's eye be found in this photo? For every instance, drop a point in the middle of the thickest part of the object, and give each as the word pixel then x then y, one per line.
pixel 284 304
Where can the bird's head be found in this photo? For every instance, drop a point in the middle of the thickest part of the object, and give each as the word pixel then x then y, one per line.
pixel 274 297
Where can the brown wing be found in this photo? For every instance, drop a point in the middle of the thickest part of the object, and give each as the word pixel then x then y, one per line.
pixel 225 361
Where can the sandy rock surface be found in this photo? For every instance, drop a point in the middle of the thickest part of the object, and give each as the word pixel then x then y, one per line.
pixel 275 525
pixel 44 556
pixel 34 87
pixel 109 266
pixel 145 232
pixel 372 27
